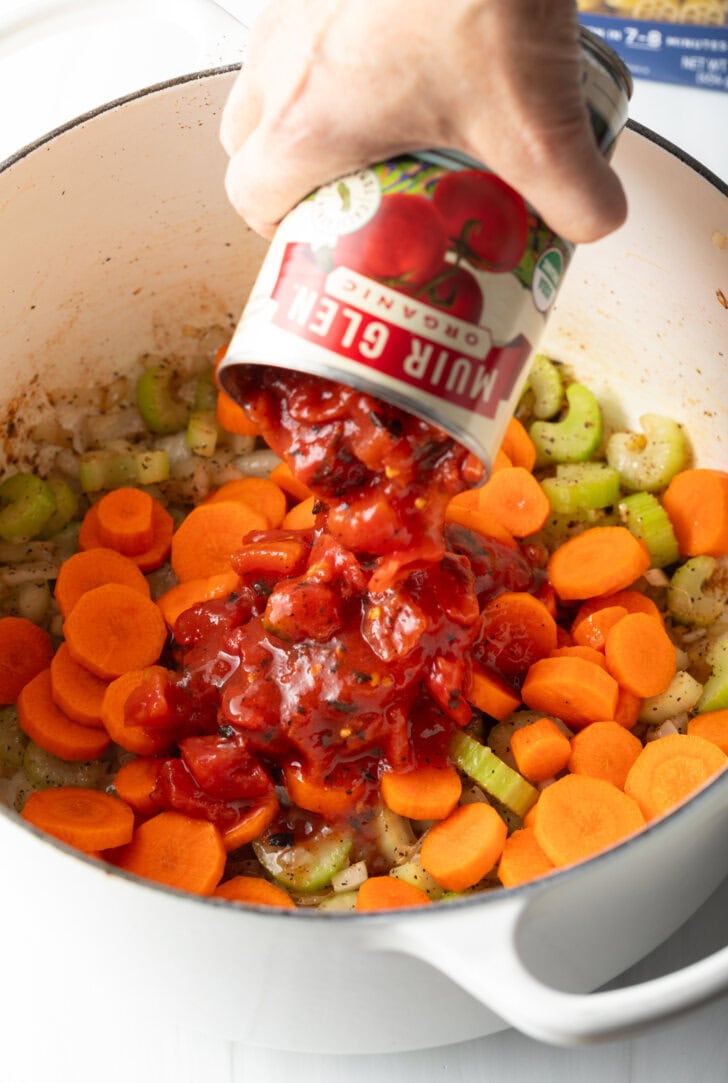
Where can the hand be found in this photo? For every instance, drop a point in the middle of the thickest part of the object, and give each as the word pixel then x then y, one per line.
pixel 331 85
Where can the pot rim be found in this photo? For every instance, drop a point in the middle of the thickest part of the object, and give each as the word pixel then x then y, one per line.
pixel 522 891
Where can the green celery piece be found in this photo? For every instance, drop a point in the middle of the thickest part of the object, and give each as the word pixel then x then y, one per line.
pixel 411 872
pixel 205 391
pixel 339 902
pixel 647 461
pixel 545 382
pixel 66 508
pixel 645 517
pixel 152 466
pixel 306 866
pixel 202 433
pixel 161 411
pixel 497 779
pixel 13 742
pixel 45 770
pixel 690 598
pixel 577 436
pixel 107 470
pixel 715 689
pixel 27 503
pixel 394 836
pixel 580 486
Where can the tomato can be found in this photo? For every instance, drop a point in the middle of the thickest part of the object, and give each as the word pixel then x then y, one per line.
pixel 424 280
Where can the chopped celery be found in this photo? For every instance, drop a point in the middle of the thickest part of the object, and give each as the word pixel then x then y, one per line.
pixel 394 835
pixel 13 742
pixel 45 770
pixel 202 433
pixel 161 411
pixel 715 689
pixel 545 382
pixel 690 597
pixel 413 873
pixel 306 866
pixel 26 505
pixel 682 694
pixel 152 466
pixel 647 461
pixel 559 528
pixel 341 902
pixel 66 508
pixel 577 436
pixel 645 517
pixel 113 469
pixel 579 486
pixel 205 391
pixel 497 779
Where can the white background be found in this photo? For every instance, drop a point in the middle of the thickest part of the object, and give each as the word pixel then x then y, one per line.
pixel 59 58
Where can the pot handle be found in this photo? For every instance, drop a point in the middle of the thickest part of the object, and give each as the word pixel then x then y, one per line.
pixel 493 970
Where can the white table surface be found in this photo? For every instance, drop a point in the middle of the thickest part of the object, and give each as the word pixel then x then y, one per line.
pixel 59 58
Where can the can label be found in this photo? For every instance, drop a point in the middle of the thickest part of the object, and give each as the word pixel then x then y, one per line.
pixel 424 280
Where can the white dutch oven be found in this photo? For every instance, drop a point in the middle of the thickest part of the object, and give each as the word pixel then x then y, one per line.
pixel 117 239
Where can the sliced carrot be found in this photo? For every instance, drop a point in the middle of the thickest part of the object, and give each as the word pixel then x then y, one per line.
pixel 634 601
pixel 261 494
pixel 711 726
pixel 500 461
pixel 627 711
pixel 251 824
pixel 255 891
pixel 143 741
pixel 515 498
pixel 518 445
pixel 465 510
pixel 640 655
pixel 590 654
pixel 25 651
pixel 670 769
pixel 301 516
pixel 283 476
pixel 163 527
pixel 424 793
pixel 389 893
pixel 540 750
pixel 126 520
pixel 489 693
pixel 578 816
pixel 135 783
pixel 94 568
pixel 175 850
pixel 183 596
pixel 460 850
pixel 517 630
pixel 232 417
pixel 601 560
pixel 89 820
pixel 604 750
pixel 204 542
pixel 592 631
pixel 697 503
pixel 522 859
pixel 277 556
pixel 75 690
pixel 331 802
pixel 572 689
pixel 51 728
pixel 114 628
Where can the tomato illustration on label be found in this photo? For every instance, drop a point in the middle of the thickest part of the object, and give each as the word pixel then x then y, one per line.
pixel 486 219
pixel 454 290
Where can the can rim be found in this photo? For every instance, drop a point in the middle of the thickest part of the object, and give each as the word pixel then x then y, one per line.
pixel 610 60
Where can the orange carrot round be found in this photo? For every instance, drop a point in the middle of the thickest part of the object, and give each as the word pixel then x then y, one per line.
pixel 260 494
pixel 604 750
pixel 489 693
pixel 75 690
pixel 301 516
pixel 592 631
pixel 670 769
pixel 202 545
pixel 389 893
pixel 540 750
pixel 331 802
pixel 183 596
pixel 93 568
pixel 283 476
pixel 465 509
pixel 572 689
pixel 175 850
pixel 114 628
pixel 711 726
pixel 163 527
pixel 231 416
pixel 518 445
pixel 135 782
pixel 697 503
pixel 125 520
pixel 252 824
pixel 255 891
pixel 599 561
pixel 515 498
pixel 578 816
pixel 522 859
pixel 424 793
pixel 460 850
pixel 89 820
pixel 627 711
pixel 51 728
pixel 25 651
pixel 640 655
pixel 634 601
pixel 144 742
pixel 517 629
pixel 575 650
